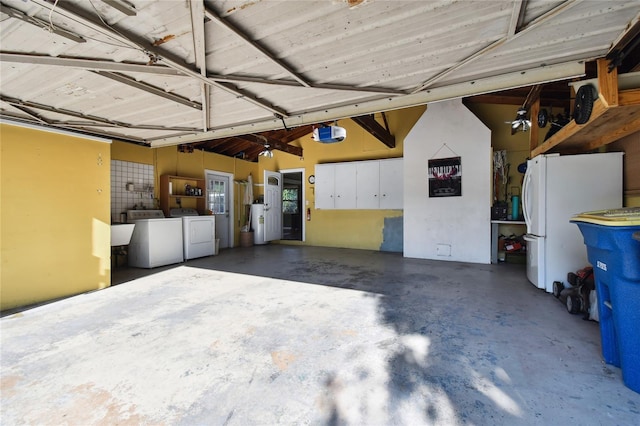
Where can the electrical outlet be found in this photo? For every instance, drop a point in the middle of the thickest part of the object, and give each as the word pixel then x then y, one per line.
pixel 443 250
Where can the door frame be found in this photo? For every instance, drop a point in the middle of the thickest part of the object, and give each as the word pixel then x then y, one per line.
pixel 304 203
pixel 232 203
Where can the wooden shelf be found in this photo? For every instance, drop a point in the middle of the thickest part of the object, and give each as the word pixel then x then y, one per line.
pixel 606 125
pixel 169 198
pixel 615 114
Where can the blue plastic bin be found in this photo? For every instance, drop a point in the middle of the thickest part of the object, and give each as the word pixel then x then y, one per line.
pixel 615 257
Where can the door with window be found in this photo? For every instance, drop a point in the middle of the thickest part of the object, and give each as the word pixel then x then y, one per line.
pixel 218 201
pixel 272 206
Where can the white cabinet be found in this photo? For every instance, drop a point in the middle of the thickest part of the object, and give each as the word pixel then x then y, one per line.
pixel 368 184
pixel 324 186
pixel 335 186
pixel 391 184
pixel 376 184
pixel 345 186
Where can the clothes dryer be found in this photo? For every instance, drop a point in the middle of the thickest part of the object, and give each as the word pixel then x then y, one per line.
pixel 198 233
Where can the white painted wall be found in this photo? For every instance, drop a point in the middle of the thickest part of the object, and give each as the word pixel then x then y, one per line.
pixel 463 223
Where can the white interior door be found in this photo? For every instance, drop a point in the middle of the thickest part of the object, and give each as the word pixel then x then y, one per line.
pixel 272 206
pixel 218 201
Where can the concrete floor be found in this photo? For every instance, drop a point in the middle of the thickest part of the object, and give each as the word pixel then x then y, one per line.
pixel 301 335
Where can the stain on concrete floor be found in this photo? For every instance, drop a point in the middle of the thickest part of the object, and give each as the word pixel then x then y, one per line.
pixel 302 335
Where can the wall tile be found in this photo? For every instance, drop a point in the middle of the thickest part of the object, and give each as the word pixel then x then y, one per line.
pixel 141 175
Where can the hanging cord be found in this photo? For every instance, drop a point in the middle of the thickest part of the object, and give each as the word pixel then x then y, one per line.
pixel 444 145
pixel 51 26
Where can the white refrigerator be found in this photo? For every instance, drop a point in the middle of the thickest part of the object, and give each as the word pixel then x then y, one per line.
pixel 555 188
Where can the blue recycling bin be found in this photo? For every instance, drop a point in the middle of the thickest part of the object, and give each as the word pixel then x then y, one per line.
pixel 614 254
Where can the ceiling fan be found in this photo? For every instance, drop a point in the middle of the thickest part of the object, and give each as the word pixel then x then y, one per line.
pixel 521 122
pixel 266 152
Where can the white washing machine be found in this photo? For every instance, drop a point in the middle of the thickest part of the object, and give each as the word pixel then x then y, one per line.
pixel 198 233
pixel 156 240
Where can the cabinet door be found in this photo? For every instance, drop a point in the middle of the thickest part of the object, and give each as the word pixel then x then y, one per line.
pixel 367 184
pixel 391 184
pixel 324 186
pixel 345 186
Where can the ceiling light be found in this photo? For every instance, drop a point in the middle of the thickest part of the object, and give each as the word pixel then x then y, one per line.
pixel 521 120
pixel 267 151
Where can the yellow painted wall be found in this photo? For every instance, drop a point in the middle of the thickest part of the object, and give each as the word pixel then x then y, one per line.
pixel 169 161
pixel 55 202
pixel 361 229
pixel 516 145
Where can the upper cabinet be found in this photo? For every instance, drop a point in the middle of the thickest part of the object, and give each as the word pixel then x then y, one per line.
pixel 336 186
pixel 391 184
pixel 375 184
pixel 368 185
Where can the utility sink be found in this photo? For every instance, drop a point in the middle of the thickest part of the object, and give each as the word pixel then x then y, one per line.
pixel 121 234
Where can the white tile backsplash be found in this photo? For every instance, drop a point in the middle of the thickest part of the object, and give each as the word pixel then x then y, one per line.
pixel 141 176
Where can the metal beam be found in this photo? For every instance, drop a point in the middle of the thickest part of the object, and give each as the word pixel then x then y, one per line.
pixel 336 112
pixel 102 65
pixel 263 50
pixel 536 23
pixel 124 126
pixel 122 6
pixel 17 14
pixel 149 88
pixel 95 120
pixel 196 8
pixel 29 124
pixel 369 123
pixel 129 39
pixel 31 114
pixel 87 64
pixel 517 13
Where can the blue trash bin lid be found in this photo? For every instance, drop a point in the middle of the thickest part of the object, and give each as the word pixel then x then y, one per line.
pixel 628 216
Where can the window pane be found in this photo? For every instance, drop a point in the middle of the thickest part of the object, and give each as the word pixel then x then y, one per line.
pixel 290 207
pixel 216 198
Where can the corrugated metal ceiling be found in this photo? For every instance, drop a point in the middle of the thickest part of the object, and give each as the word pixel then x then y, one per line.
pixel 171 72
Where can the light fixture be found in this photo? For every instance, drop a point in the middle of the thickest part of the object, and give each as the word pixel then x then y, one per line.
pixel 521 120
pixel 267 151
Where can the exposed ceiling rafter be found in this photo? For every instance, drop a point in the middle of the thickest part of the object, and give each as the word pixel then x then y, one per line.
pixel 275 144
pixel 369 123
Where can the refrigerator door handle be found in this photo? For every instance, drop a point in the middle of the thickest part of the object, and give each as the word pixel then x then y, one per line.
pixel 529 237
pixel 525 199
